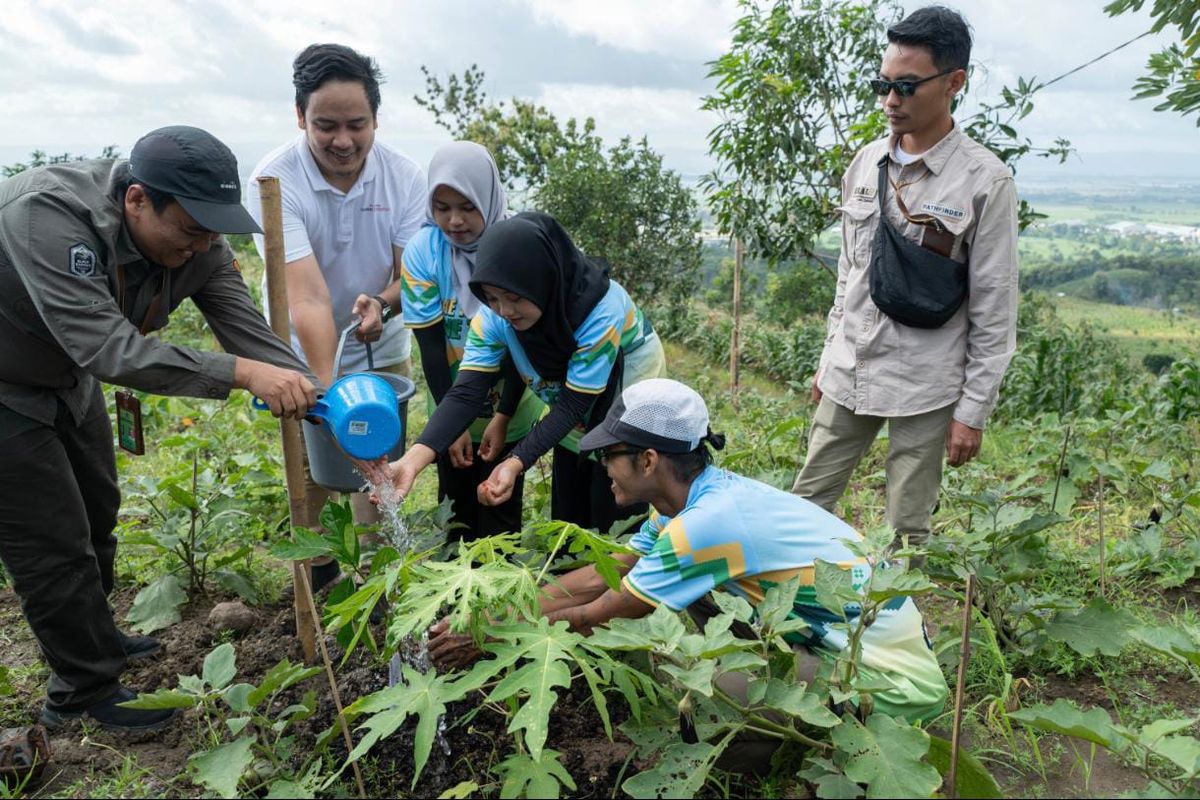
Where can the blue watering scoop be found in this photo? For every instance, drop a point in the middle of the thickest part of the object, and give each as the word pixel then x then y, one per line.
pixel 362 412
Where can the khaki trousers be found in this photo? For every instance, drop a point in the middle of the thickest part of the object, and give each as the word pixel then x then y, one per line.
pixel 916 448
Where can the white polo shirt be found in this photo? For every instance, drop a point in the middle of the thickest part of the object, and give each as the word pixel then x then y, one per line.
pixel 350 233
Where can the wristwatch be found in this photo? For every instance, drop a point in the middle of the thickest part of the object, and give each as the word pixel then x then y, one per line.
pixel 385 308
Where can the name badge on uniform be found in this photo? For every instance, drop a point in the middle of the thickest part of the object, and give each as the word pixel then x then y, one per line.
pixel 864 194
pixel 943 210
pixel 129 423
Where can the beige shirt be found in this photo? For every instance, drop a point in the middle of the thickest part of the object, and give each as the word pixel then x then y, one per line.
pixel 874 365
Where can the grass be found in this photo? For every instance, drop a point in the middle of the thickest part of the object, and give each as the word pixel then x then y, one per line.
pixel 1138 331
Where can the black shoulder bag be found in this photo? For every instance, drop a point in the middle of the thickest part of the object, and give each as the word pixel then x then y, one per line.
pixel 912 285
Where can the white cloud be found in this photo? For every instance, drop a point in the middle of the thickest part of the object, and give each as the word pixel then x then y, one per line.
pixel 80 75
pixel 670 118
pixel 697 29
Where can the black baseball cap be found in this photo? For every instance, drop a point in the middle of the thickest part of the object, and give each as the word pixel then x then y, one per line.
pixel 199 171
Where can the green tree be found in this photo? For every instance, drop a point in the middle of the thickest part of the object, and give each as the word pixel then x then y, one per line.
pixel 1173 72
pixel 794 108
pixel 618 203
pixel 624 206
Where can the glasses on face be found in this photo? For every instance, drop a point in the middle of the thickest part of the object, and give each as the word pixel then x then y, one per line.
pixel 904 88
pixel 604 456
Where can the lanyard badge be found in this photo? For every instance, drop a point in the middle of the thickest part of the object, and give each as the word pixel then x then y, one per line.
pixel 129 423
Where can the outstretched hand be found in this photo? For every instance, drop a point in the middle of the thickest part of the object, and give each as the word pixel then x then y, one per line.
pixel 448 650
pixel 498 488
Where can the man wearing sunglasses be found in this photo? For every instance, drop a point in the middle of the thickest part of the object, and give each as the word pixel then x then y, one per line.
pixel 934 385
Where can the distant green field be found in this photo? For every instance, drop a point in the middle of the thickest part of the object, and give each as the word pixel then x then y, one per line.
pixel 1106 213
pixel 1137 330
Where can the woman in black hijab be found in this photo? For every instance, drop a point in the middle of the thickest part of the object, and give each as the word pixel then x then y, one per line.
pixel 575 337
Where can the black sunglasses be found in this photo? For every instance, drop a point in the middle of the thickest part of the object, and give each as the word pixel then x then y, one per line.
pixel 605 455
pixel 903 88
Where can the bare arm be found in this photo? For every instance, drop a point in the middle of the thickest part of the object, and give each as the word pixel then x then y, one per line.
pixel 579 586
pixel 608 606
pixel 311 310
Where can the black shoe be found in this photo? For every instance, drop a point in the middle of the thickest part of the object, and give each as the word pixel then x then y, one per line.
pixel 112 716
pixel 139 647
pixel 324 574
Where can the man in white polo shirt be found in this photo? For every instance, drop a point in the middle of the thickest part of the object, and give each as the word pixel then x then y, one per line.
pixel 350 204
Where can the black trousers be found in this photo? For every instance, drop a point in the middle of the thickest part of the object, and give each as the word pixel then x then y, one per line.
pixel 58 506
pixel 461 486
pixel 582 493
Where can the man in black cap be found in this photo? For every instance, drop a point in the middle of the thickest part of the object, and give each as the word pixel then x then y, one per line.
pixel 93 256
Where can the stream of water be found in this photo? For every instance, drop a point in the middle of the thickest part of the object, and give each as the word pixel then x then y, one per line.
pixel 411 651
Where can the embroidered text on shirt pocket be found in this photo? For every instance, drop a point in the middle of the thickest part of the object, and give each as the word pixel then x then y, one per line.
pixel 860 220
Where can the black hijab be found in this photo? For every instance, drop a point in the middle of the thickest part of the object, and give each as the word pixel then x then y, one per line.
pixel 532 256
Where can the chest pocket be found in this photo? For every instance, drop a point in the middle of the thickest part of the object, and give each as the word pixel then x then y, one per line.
pixel 957 228
pixel 859 220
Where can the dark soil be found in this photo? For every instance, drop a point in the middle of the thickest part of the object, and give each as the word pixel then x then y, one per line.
pixel 85 759
pixel 82 754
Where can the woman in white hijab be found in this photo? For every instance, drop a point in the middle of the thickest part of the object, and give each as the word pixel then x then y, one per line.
pixel 465 198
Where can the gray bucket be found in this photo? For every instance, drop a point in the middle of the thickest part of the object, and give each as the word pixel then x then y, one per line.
pixel 327 462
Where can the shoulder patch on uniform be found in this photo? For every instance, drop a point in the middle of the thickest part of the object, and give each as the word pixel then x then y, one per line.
pixel 82 261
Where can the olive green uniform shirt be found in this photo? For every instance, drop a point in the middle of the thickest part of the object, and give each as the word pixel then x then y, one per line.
pixel 876 366
pixel 62 326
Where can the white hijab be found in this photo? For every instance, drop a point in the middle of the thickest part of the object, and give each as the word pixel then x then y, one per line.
pixel 468 169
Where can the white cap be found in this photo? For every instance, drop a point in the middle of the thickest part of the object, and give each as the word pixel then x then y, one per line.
pixel 658 413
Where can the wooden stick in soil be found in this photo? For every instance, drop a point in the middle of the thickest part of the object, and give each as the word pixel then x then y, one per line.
pixel 1103 586
pixel 329 676
pixel 289 429
pixel 1062 460
pixel 964 656
pixel 735 341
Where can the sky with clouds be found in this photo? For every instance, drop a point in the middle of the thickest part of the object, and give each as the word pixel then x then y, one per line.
pixel 78 76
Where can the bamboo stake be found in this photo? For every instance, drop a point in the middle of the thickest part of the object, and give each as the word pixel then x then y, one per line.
pixel 329 676
pixel 964 656
pixel 735 343
pixel 289 429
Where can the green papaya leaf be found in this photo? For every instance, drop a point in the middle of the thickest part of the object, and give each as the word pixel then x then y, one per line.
pixel 545 650
pixel 527 777
pixel 423 695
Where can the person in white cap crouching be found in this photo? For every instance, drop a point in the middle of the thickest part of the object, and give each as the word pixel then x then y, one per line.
pixel 711 529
